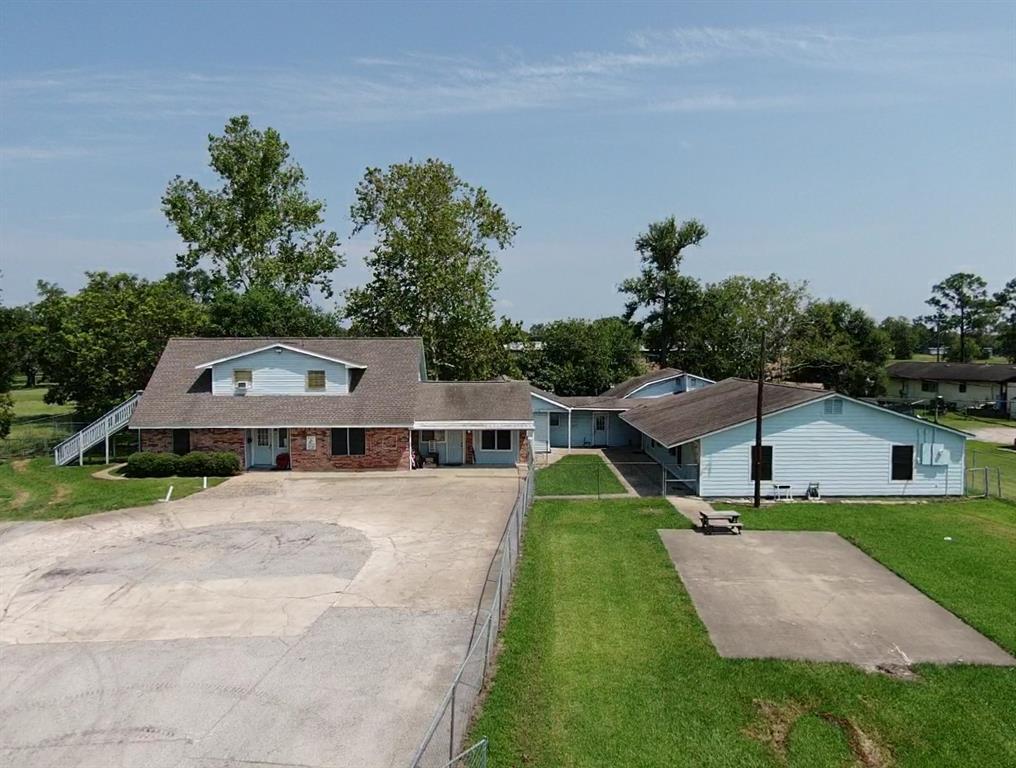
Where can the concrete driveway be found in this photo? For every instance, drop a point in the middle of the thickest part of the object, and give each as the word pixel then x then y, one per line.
pixel 815 596
pixel 283 620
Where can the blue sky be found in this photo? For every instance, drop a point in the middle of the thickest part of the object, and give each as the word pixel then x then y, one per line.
pixel 869 149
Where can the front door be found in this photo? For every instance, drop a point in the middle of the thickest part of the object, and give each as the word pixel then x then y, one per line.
pixel 455 445
pixel 599 429
pixel 262 449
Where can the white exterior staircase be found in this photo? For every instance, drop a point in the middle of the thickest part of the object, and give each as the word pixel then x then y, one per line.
pixel 74 447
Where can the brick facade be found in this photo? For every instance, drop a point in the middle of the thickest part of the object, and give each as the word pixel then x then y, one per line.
pixel 386 448
pixel 161 441
pixel 470 453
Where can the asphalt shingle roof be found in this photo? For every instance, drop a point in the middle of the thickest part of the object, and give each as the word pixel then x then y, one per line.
pixel 675 420
pixel 389 392
pixel 628 386
pixel 913 369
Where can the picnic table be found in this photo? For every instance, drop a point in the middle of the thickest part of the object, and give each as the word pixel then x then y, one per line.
pixel 720 520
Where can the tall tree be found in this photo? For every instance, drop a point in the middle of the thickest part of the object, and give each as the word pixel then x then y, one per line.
pixel 1005 301
pixel 265 311
pixel 724 326
pixel 903 333
pixel 961 302
pixel 583 357
pixel 658 286
pixel 432 266
pixel 102 343
pixel 260 228
pixel 841 347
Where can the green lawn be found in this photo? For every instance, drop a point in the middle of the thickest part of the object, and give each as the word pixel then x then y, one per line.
pixel 34 489
pixel 969 423
pixel 37 425
pixel 577 475
pixel 605 661
pixel 29 403
pixel 997 457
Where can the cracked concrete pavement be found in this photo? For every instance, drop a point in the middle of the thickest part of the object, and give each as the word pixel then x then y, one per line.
pixel 275 619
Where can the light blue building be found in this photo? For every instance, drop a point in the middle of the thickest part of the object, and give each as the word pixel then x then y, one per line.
pixel 595 421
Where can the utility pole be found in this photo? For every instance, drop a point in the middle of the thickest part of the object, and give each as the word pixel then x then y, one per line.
pixel 757 458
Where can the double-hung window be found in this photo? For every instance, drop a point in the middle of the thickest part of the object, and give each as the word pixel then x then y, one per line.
pixel 349 441
pixel 496 440
pixel 315 381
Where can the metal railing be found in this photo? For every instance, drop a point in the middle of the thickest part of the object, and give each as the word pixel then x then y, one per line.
pixel 443 739
pixel 74 447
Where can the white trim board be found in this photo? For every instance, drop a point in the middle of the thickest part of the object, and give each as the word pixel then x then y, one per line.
pixel 288 347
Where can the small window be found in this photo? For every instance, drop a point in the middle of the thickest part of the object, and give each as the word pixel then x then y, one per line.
pixel 555 419
pixel 349 441
pixel 766 465
pixel 264 438
pixel 315 381
pixel 833 406
pixel 929 386
pixel 283 438
pixel 601 422
pixel 496 440
pixel 963 386
pixel 243 375
pixel 181 441
pixel 903 462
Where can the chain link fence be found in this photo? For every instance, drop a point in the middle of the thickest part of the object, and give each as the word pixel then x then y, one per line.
pixel 443 740
pixel 36 436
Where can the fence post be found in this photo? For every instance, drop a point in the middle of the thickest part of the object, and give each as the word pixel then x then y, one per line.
pixel 986 491
pixel 451 731
pixel 998 481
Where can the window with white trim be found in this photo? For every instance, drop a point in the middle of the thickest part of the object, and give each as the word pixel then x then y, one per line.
pixel 833 406
pixel 315 381
pixel 244 375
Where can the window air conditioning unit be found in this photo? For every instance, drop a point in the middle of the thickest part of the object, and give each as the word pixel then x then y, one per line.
pixel 241 387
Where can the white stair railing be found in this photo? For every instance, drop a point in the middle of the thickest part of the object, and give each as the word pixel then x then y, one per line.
pixel 74 447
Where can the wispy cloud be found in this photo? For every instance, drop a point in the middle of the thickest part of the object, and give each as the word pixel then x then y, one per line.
pixel 697 69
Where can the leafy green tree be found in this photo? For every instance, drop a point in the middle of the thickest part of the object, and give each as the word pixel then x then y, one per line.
pixel 102 343
pixel 6 414
pixel 961 303
pixel 904 335
pixel 1005 302
pixel 658 288
pixel 584 357
pixel 432 266
pixel 840 346
pixel 260 228
pixel 267 311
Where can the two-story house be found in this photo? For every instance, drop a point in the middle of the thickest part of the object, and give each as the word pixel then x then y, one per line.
pixel 327 403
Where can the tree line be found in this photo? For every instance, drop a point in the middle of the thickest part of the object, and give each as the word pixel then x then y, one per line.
pixel 257 251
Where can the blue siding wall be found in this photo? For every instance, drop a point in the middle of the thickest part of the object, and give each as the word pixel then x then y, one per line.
pixel 538 404
pixel 622 435
pixel 848 453
pixel 280 373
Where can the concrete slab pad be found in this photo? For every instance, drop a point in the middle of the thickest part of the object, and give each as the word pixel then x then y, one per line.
pixel 277 619
pixel 815 596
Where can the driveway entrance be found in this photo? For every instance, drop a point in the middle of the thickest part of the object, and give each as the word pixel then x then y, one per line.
pixel 278 619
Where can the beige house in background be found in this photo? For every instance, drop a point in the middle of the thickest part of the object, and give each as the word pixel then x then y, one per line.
pixel 965 385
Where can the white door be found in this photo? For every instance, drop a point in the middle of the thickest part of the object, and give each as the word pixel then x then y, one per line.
pixel 263 451
pixel 599 429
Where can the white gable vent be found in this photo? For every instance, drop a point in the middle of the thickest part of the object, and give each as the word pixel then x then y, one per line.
pixel 833 406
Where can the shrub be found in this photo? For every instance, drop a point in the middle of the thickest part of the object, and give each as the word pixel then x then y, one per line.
pixel 146 464
pixel 206 463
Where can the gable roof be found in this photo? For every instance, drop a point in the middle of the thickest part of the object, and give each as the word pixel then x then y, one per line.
pixel 988 372
pixel 675 420
pixel 179 392
pixel 280 345
pixel 628 386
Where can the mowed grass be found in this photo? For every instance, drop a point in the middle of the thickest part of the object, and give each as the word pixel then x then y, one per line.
pixel 577 475
pixel 34 489
pixel 971 573
pixel 996 457
pixel 606 663
pixel 29 403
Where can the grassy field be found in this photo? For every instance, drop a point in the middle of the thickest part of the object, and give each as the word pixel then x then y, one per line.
pixel 997 457
pixel 969 423
pixel 34 489
pixel 577 475
pixel 37 424
pixel 605 661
